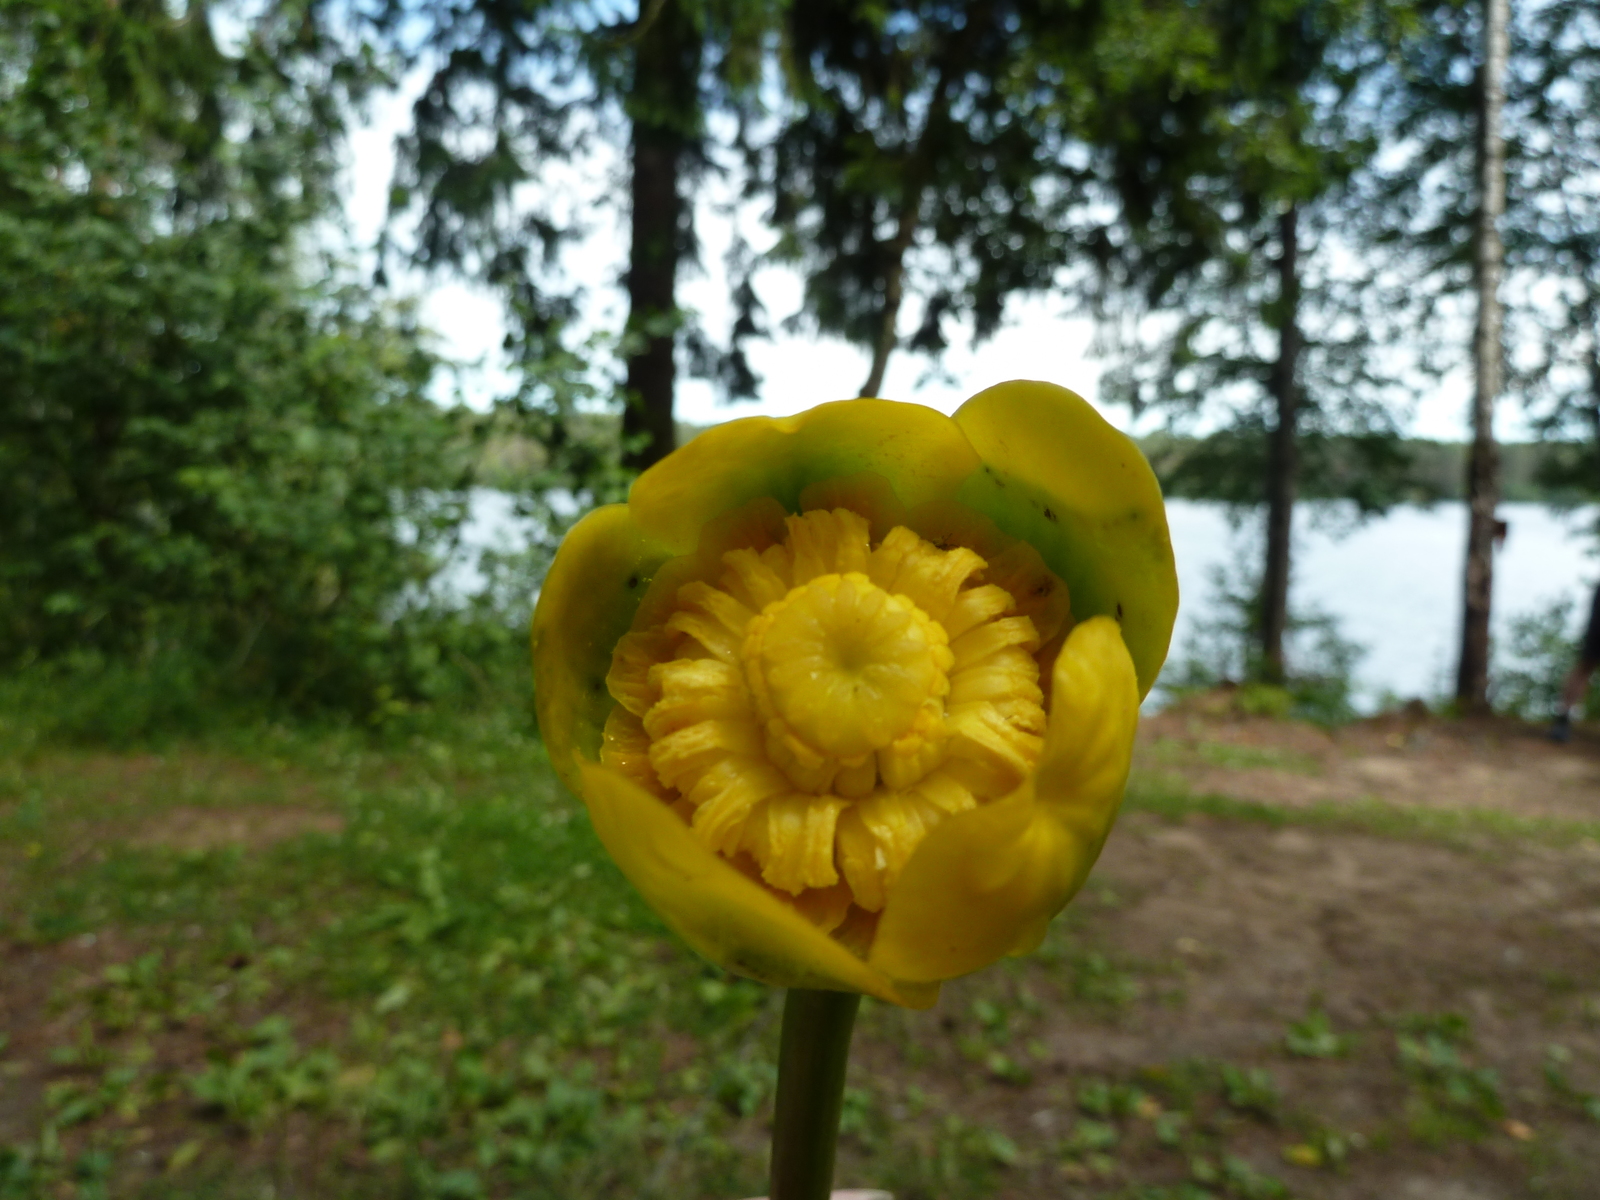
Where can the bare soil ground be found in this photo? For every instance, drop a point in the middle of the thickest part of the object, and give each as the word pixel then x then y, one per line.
pixel 1231 934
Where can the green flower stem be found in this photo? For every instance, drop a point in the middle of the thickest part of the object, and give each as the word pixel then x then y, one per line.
pixel 811 1062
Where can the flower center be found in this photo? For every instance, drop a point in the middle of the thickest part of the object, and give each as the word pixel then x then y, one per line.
pixel 844 667
pixel 813 701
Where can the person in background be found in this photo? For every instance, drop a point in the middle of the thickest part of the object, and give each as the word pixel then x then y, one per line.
pixel 1577 683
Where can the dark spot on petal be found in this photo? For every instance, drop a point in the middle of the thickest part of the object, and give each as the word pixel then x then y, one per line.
pixel 1048 515
pixel 1043 589
pixel 633 581
pixel 1119 610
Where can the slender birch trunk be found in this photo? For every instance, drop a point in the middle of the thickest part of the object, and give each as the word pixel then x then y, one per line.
pixel 1483 465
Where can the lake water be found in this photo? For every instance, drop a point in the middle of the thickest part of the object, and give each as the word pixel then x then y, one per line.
pixel 1393 584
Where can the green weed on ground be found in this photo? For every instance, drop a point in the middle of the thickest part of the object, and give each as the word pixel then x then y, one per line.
pixel 455 989
pixel 453 995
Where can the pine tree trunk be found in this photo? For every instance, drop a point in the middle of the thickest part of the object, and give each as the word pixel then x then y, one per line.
pixel 893 296
pixel 1283 453
pixel 664 108
pixel 1483 464
pixel 917 172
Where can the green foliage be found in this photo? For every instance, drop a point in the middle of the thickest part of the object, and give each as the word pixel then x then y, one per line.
pixel 1251 1090
pixel 456 994
pixel 1531 665
pixel 1425 199
pixel 893 106
pixel 1237 1178
pixel 1223 649
pixel 1101 1098
pixel 1560 85
pixel 1251 313
pixel 1090 1137
pixel 1372 467
pixel 1315 1037
pixel 1198 297
pixel 1167 795
pixel 457 991
pixel 1451 1097
pixel 1198 1099
pixel 952 1158
pixel 501 997
pixel 1256 699
pixel 265 1077
pixel 943 159
pixel 220 481
pixel 1557 1061
pixel 1096 980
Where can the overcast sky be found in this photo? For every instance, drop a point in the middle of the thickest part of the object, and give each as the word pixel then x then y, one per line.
pixel 1037 342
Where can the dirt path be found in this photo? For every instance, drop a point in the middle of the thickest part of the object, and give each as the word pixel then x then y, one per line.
pixel 1407 758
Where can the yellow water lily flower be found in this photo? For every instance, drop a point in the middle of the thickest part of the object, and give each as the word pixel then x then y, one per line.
pixel 851 695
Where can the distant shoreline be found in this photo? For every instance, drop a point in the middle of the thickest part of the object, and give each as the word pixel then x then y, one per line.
pixel 1438 470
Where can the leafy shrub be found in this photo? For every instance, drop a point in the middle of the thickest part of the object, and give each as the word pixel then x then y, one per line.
pixel 1222 649
pixel 222 480
pixel 1531 664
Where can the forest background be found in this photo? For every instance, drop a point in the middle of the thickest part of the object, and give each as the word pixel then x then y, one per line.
pixel 233 463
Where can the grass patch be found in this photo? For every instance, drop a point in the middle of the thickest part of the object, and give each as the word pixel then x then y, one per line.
pixel 453 994
pixel 1166 795
pixel 1226 754
pixel 458 991
pixel 1171 751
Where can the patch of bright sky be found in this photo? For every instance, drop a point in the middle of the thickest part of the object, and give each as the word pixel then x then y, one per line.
pixel 1038 340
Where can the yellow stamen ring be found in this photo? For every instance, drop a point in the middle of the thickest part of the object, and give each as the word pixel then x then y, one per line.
pixel 826 702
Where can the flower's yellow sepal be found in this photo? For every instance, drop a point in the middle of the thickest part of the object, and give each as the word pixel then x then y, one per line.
pixel 721 913
pixel 986 883
pixel 1060 478
pixel 604 566
pixel 922 454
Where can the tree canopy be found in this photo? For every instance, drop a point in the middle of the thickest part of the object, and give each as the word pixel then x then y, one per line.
pixel 218 437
